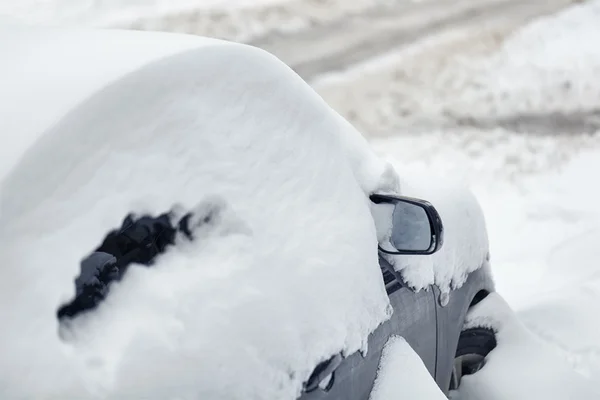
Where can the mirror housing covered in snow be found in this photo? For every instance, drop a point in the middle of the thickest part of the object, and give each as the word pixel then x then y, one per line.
pixel 416 226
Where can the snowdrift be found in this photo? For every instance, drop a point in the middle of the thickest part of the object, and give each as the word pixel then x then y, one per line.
pixel 522 366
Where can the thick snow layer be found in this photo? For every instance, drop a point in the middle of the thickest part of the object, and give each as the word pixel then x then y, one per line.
pixel 46 72
pixel 522 366
pixel 95 11
pixel 238 20
pixel 402 374
pixel 289 275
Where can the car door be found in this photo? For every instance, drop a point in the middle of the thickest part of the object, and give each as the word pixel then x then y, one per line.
pixel 414 318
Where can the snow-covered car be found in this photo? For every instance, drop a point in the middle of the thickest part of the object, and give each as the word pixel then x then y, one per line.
pixel 284 252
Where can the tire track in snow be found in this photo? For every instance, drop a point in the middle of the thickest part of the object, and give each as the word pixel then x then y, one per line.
pixel 350 40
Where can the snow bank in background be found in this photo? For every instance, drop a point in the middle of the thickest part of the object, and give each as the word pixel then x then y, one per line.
pixel 490 159
pixel 551 64
pixel 475 75
pixel 246 23
pixel 565 318
pixel 402 374
pixel 534 191
pixel 521 366
pixel 289 276
pixel 238 20
pixel 96 12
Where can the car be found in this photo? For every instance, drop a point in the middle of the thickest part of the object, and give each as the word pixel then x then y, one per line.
pixel 229 235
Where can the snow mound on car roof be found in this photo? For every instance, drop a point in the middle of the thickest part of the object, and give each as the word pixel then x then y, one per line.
pixel 46 72
pixel 287 277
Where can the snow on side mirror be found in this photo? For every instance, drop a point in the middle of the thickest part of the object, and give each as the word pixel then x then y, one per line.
pixel 416 226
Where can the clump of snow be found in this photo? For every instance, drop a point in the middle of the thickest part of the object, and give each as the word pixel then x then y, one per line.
pixel 259 301
pixel 44 79
pixel 465 247
pixel 402 373
pixel 521 366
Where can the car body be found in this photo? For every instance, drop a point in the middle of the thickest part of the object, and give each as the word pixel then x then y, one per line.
pixel 74 100
pixel 430 328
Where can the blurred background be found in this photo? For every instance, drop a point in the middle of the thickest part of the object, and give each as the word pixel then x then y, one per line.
pixel 500 95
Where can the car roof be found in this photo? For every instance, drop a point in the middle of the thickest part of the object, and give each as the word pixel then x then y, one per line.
pixel 202 123
pixel 46 72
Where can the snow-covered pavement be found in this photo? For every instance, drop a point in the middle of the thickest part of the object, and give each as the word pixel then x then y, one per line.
pixel 523 366
pixel 399 356
pixel 540 196
pixel 239 20
pixel 537 184
pixel 479 76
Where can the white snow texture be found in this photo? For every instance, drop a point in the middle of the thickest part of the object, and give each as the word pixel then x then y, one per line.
pixel 522 366
pixel 539 196
pixel 208 122
pixel 402 374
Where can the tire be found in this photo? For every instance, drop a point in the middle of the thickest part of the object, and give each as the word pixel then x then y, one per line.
pixel 473 347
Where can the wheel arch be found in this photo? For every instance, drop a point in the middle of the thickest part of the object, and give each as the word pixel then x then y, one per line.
pixel 477 287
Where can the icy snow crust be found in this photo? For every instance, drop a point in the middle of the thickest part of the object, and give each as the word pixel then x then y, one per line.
pixel 288 275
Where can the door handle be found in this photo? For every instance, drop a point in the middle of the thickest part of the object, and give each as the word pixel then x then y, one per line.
pixel 321 372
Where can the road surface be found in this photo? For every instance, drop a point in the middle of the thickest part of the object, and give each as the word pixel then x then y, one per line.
pixel 352 39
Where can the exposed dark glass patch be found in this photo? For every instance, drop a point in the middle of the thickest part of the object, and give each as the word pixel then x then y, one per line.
pixel 139 240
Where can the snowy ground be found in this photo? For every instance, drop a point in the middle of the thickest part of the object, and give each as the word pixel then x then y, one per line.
pixel 535 177
pixel 479 76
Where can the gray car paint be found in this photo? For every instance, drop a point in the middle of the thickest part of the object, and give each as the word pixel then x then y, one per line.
pixel 450 320
pixel 431 329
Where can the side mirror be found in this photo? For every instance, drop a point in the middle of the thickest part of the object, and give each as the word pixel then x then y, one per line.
pixel 416 226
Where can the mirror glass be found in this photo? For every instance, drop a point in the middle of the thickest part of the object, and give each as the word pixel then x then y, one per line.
pixel 411 230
